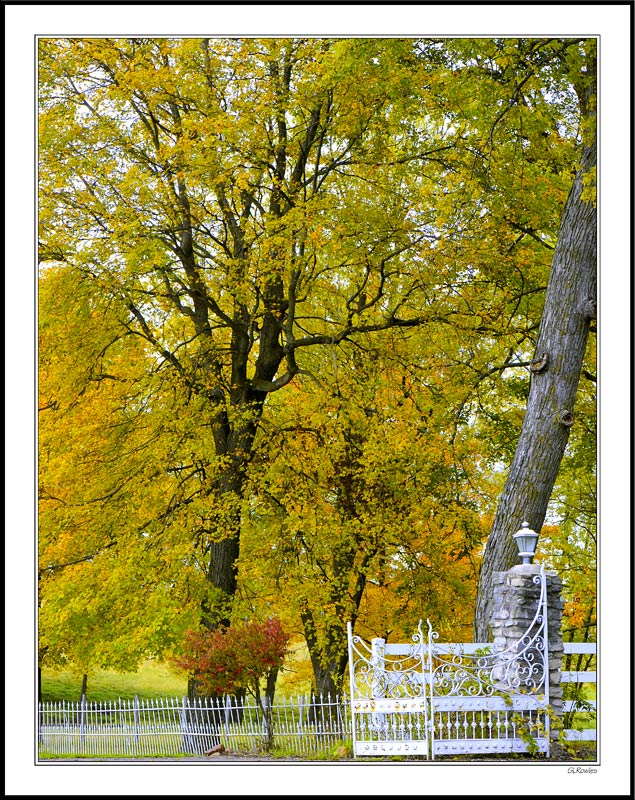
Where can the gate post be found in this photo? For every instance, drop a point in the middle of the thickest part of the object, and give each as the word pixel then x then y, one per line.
pixel 516 594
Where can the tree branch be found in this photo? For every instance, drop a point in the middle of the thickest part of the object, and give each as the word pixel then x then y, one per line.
pixel 89 557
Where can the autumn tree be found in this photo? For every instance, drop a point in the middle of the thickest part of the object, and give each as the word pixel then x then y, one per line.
pixel 363 508
pixel 113 576
pixel 240 201
pixel 233 220
pixel 224 662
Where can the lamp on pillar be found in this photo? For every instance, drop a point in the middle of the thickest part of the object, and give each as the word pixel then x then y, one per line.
pixel 526 542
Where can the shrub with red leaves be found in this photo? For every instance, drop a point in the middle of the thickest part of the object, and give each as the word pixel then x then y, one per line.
pixel 226 661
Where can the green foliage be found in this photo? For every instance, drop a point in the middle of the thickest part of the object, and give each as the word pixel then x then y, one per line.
pixel 288 297
pixel 570 545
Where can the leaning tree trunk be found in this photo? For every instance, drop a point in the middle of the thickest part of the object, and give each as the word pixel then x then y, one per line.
pixel 570 305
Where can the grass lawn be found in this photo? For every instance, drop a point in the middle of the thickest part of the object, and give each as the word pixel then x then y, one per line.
pixel 154 679
pixel 150 680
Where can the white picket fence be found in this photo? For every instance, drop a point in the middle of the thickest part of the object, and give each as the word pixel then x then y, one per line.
pixel 302 726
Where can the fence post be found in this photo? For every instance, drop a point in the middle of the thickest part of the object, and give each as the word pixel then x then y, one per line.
pixel 341 714
pixel 228 710
pixel 428 686
pixel 267 723
pixel 184 719
pixel 40 724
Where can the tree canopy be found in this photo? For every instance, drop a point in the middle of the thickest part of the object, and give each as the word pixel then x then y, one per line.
pixel 290 293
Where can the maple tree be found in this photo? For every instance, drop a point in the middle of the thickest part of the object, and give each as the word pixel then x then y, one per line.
pixel 289 298
pixel 223 663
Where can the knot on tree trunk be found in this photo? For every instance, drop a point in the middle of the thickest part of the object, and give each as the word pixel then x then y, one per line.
pixel 589 309
pixel 540 363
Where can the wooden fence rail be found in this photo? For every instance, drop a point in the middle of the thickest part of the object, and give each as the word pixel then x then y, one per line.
pixel 580 682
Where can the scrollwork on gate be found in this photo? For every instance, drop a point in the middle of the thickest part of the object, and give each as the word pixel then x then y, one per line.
pixel 379 675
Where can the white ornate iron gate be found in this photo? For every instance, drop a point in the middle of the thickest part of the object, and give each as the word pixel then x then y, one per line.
pixel 389 703
pixel 431 699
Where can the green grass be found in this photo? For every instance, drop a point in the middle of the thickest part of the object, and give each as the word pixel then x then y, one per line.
pixel 154 679
pixel 583 720
pixel 149 681
pixel 102 756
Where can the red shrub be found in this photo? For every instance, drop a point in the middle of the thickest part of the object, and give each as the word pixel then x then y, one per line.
pixel 223 662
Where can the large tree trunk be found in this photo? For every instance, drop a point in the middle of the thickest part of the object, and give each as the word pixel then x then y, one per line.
pixel 235 442
pixel 570 305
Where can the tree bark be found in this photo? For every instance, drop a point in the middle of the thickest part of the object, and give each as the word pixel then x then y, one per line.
pixel 570 305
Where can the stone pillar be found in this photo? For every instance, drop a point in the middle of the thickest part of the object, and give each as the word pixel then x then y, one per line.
pixel 515 600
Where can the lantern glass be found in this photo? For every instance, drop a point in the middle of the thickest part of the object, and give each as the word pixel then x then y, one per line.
pixel 526 540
